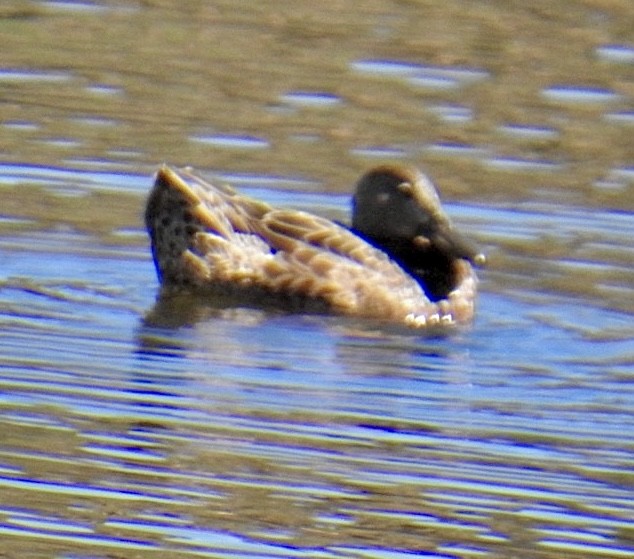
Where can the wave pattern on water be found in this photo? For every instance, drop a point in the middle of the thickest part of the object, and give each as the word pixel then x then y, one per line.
pixel 193 429
pixel 179 428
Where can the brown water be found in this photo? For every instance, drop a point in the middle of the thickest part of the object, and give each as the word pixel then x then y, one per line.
pixel 134 430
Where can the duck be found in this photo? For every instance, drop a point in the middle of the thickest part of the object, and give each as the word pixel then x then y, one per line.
pixel 400 260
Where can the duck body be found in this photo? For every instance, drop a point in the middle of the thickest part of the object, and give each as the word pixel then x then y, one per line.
pixel 401 261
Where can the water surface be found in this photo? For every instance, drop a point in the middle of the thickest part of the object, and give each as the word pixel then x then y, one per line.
pixel 137 428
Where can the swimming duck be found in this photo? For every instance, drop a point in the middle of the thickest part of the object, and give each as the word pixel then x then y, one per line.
pixel 401 260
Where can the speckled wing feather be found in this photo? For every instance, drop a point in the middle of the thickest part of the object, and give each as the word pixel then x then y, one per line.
pixel 317 257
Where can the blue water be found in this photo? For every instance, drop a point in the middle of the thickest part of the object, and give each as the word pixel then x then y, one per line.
pixel 525 416
pixel 130 428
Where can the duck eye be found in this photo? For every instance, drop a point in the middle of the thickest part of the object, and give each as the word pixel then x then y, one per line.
pixel 383 198
pixel 406 188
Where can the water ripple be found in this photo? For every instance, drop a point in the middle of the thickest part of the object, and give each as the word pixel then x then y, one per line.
pixel 136 427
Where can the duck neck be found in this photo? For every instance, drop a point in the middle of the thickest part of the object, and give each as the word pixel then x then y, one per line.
pixel 432 268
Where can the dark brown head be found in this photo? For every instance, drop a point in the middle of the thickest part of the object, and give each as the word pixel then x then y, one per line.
pixel 397 209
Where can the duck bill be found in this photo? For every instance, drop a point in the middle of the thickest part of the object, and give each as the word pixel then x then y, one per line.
pixel 452 243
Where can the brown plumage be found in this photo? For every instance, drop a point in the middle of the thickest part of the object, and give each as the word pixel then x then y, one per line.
pixel 402 260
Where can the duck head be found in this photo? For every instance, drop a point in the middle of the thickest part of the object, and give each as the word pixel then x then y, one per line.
pixel 397 209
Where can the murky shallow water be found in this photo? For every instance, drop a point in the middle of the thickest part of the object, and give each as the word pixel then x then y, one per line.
pixel 134 429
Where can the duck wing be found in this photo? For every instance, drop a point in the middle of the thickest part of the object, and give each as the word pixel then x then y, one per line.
pixel 210 237
pixel 318 258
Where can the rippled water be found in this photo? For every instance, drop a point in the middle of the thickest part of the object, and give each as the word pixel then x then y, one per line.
pixel 131 428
